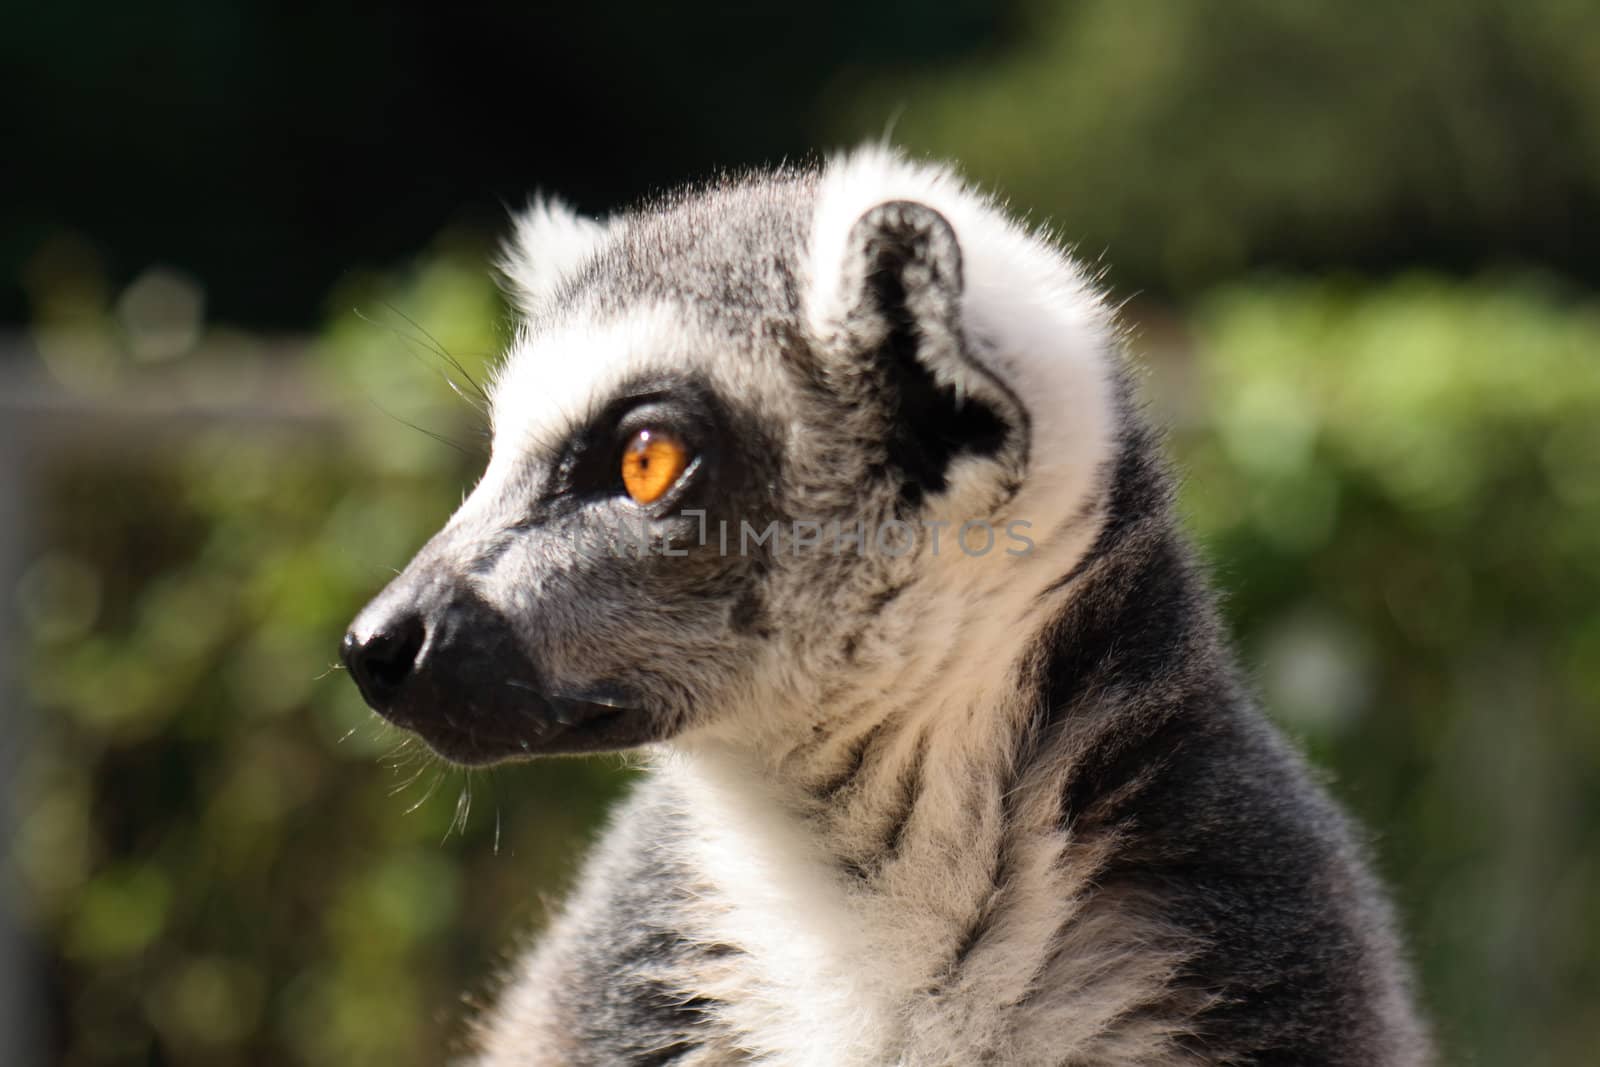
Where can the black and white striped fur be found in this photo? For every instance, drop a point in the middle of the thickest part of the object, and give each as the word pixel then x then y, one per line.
pixel 918 809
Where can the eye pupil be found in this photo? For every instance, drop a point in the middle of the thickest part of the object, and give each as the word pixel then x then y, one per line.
pixel 652 463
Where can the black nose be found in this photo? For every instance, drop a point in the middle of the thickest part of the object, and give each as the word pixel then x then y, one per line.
pixel 384 659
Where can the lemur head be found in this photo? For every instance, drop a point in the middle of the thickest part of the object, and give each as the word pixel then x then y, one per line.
pixel 776 446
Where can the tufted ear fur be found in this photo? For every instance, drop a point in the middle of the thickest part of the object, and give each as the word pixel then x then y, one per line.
pixel 902 317
pixel 548 242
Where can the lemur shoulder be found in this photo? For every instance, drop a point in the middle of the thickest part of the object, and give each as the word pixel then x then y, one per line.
pixel 909 802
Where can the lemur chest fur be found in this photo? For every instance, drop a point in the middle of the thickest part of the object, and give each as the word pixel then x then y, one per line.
pixel 923 903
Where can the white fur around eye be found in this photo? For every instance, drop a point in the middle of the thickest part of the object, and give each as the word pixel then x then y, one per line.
pixel 551 379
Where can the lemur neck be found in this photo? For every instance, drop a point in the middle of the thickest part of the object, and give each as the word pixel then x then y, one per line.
pixel 865 859
pixel 886 782
pixel 911 744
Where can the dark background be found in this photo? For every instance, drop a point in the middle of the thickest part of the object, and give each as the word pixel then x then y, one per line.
pixel 1359 252
pixel 269 147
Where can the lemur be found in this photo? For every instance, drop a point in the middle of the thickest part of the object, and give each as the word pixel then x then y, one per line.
pixel 936 796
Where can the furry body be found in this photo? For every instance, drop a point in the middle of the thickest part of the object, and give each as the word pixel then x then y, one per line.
pixel 910 808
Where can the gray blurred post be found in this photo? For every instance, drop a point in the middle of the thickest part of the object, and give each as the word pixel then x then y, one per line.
pixel 20 1007
pixel 39 422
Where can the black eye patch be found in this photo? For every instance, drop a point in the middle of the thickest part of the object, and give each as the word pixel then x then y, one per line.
pixel 588 465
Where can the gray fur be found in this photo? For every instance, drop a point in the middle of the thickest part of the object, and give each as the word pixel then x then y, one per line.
pixel 900 813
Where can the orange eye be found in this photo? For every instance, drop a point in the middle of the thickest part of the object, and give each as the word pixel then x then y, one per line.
pixel 651 463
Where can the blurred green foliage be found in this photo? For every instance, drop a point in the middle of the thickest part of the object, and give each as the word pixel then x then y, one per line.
pixel 1396 483
pixel 1187 142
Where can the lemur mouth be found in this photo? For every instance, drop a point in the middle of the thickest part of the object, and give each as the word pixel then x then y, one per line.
pixel 599 719
pixel 446 665
pixel 531 723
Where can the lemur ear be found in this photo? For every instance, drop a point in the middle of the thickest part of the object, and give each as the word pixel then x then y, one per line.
pixel 548 240
pixel 902 288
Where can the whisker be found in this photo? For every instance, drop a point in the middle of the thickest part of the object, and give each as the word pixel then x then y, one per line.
pixel 402 753
pixel 463 809
pixel 494 794
pixel 409 782
pixel 432 789
pixel 443 353
pixel 478 401
pixel 474 453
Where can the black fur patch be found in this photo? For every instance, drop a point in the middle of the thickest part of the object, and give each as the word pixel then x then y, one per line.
pixel 833 788
pixel 929 424
pixel 894 835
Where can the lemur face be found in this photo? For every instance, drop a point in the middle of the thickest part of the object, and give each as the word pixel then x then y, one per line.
pixel 720 438
pixel 572 604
